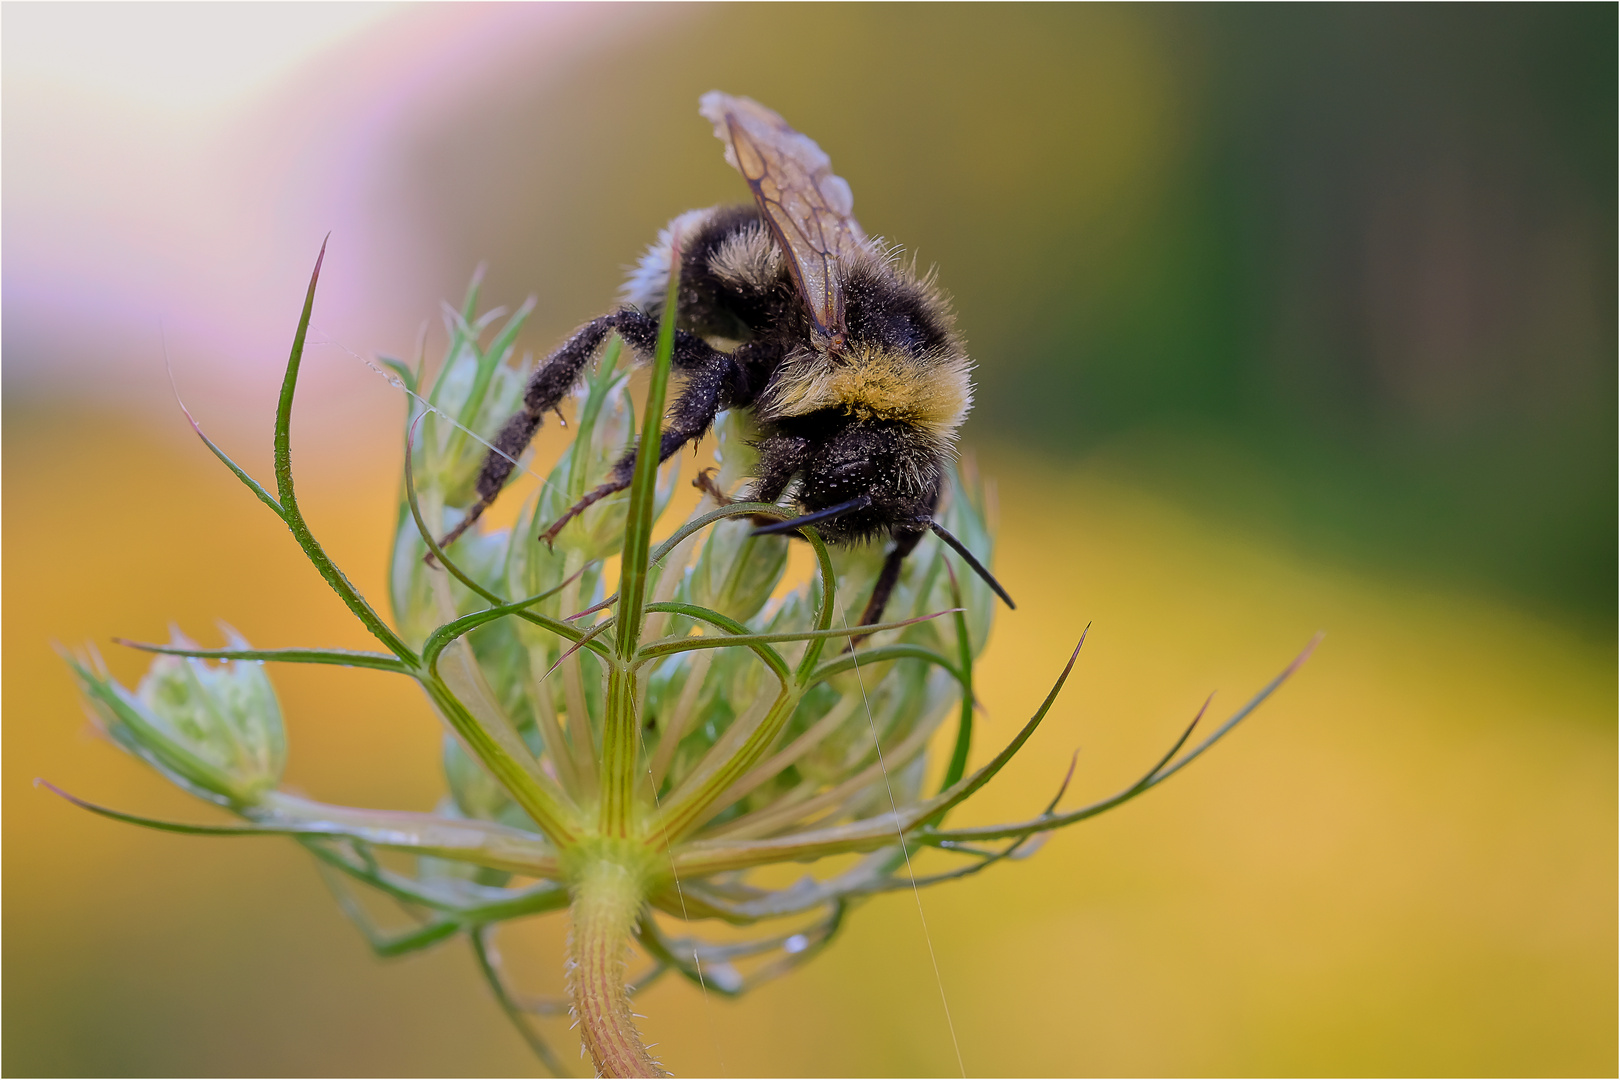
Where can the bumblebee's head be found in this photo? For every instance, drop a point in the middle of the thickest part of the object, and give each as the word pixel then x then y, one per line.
pixel 864 479
pixel 872 425
pixel 891 471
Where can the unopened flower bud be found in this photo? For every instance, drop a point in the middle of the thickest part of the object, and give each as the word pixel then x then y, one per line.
pixel 475 393
pixel 736 571
pixel 214 728
pixel 475 792
pixel 605 423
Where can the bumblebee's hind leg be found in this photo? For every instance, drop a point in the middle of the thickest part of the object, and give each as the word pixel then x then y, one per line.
pixel 887 579
pixel 551 381
pixel 711 375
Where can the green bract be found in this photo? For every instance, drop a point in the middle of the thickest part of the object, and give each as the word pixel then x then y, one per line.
pixel 631 742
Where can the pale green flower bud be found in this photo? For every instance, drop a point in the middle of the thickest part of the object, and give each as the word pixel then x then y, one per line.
pixel 475 793
pixel 477 391
pixel 214 728
pixel 422 599
pixel 736 572
pixel 605 430
pixel 473 395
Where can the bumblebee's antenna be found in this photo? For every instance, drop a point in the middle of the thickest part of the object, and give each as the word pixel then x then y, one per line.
pixel 978 567
pixel 860 503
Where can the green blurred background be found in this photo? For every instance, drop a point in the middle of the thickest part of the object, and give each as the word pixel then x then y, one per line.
pixel 1287 318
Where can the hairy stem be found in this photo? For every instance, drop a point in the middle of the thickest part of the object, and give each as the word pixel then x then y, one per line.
pixel 607 900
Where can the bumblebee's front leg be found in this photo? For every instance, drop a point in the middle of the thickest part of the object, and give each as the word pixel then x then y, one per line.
pixel 553 379
pixel 712 378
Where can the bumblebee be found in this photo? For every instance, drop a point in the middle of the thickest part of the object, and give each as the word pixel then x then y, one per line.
pixel 848 360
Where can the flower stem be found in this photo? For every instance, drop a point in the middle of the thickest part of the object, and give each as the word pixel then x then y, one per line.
pixel 607 899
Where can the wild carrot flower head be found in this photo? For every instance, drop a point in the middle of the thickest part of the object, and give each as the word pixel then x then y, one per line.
pixel 638 717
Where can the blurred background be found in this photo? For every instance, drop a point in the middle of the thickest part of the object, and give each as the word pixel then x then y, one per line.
pixel 1287 319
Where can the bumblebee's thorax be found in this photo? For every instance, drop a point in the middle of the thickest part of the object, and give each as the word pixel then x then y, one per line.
pixel 897 359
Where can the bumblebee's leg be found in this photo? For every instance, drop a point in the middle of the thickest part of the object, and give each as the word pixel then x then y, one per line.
pixel 780 458
pixel 887 579
pixel 550 382
pixel 706 483
pixel 691 353
pixel 710 374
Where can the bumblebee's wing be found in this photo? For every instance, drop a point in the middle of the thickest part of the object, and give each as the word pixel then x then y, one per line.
pixel 810 210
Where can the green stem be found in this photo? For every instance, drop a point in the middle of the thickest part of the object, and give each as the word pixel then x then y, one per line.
pixel 964 724
pixel 340 657
pixel 621 729
pixel 619 744
pixel 882 654
pixel 607 901
pixel 643 494
pixel 289 500
pixel 489 965
pixel 511 765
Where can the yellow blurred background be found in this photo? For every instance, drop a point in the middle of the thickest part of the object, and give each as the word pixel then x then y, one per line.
pixel 1285 322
